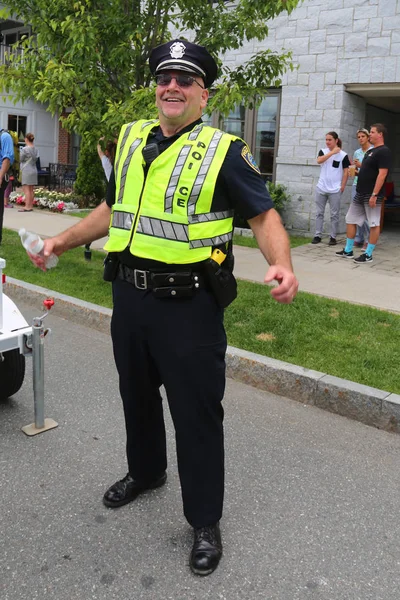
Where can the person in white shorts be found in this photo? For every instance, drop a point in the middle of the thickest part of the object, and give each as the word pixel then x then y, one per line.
pixel 332 181
pixel 362 235
pixel 369 194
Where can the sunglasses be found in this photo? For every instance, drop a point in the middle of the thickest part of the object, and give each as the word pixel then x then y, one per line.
pixel 184 81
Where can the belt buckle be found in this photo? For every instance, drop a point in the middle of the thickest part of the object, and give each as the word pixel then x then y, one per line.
pixel 140 279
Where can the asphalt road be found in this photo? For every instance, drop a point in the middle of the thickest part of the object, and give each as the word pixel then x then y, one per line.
pixel 311 512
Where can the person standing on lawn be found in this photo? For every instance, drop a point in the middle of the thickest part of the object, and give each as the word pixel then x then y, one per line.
pixel 6 160
pixel 331 184
pixel 107 157
pixel 369 195
pixel 172 196
pixel 7 193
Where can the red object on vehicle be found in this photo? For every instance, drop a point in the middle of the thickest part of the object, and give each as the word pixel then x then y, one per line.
pixel 48 303
pixel 3 278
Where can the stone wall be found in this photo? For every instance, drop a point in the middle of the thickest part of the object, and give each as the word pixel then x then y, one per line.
pixel 333 43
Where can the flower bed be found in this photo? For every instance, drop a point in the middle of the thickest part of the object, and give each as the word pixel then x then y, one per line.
pixel 54 201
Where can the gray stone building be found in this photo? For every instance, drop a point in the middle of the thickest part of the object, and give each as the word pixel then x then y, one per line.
pixel 347 54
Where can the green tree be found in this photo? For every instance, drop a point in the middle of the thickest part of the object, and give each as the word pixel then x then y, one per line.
pixel 91 56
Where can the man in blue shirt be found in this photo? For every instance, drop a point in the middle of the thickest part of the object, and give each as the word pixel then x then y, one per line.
pixel 6 160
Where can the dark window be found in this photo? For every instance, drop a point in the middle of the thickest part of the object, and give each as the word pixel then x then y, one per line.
pixel 258 128
pixel 18 123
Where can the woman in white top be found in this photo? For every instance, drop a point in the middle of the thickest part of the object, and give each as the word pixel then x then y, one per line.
pixel 107 157
pixel 332 181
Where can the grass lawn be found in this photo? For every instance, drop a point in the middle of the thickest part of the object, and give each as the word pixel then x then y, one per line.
pixel 353 342
pixel 73 275
pixel 81 213
pixel 251 242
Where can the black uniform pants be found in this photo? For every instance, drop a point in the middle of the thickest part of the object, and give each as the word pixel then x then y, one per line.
pixel 180 343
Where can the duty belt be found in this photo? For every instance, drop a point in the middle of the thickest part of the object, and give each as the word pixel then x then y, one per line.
pixel 163 284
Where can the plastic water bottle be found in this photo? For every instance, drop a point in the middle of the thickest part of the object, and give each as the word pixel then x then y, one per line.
pixel 33 244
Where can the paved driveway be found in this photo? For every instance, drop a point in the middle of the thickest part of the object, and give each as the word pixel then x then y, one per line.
pixel 312 499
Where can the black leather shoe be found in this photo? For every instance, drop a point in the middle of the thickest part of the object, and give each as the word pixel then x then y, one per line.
pixel 207 550
pixel 128 489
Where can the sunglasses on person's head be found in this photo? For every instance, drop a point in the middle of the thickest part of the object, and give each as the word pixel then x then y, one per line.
pixel 184 81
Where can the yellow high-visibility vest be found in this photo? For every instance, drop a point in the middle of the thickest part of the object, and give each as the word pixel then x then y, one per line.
pixel 167 216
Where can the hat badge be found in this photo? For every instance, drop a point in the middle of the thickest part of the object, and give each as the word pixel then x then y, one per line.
pixel 177 50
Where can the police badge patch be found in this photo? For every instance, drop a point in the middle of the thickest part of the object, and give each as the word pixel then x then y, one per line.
pixel 177 50
pixel 249 158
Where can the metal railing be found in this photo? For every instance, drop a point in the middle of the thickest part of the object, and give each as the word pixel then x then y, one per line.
pixel 61 176
pixel 6 51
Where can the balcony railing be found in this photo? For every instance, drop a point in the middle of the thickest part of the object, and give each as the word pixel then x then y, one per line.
pixel 6 51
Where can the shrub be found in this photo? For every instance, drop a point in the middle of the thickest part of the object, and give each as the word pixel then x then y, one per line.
pixel 90 181
pixel 279 194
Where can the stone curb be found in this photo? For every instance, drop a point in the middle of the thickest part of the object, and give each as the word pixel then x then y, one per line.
pixel 359 402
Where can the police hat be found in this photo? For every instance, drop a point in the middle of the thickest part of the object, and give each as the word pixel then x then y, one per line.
pixel 184 56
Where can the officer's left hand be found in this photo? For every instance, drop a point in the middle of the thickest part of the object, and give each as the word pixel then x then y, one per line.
pixel 287 286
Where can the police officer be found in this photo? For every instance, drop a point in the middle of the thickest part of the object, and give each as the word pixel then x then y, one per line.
pixel 6 160
pixel 172 196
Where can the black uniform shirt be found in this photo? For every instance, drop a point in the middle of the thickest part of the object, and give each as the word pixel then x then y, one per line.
pixel 374 159
pixel 239 184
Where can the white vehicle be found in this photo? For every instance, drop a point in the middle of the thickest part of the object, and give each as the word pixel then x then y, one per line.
pixel 18 340
pixel 15 343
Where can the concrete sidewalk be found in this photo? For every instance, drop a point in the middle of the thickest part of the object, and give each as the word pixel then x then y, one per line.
pixel 318 269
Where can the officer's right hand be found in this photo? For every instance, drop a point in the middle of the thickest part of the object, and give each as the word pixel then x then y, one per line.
pixel 53 245
pixel 39 260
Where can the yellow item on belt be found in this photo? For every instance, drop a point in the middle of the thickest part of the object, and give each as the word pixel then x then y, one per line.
pixel 218 256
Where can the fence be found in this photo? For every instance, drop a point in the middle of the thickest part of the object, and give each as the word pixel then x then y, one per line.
pixel 61 176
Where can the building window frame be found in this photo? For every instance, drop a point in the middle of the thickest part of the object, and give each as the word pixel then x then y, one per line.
pixel 250 127
pixel 19 130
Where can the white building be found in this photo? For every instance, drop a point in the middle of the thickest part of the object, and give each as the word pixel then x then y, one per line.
pixel 53 143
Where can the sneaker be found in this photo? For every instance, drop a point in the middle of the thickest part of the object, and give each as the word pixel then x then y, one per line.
pixel 364 258
pixel 332 241
pixel 345 254
pixel 316 240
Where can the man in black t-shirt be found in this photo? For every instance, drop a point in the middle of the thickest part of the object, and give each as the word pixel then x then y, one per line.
pixel 369 194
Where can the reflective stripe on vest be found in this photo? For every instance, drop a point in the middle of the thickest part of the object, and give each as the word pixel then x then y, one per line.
pixel 198 184
pixel 121 146
pixel 134 146
pixel 168 217
pixel 122 220
pixel 166 229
